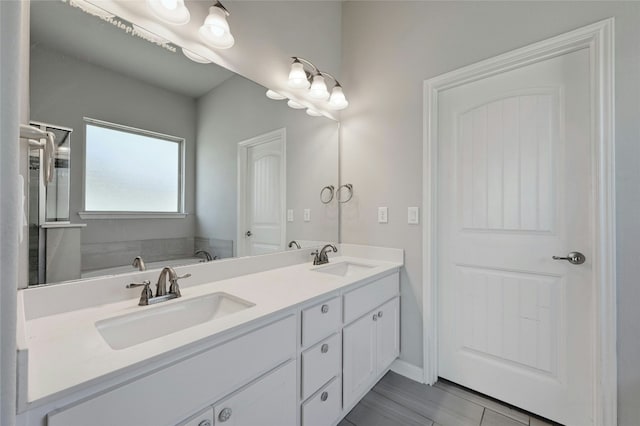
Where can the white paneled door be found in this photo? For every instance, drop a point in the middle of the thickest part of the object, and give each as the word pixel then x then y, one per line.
pixel 263 191
pixel 514 189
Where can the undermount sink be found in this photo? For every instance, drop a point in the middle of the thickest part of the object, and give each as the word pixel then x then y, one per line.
pixel 131 329
pixel 343 269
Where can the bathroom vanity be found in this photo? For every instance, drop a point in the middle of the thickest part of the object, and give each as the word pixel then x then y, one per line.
pixel 290 344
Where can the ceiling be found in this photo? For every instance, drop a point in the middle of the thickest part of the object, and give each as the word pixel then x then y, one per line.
pixel 57 25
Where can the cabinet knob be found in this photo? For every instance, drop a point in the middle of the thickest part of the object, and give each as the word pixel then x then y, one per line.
pixel 375 317
pixel 324 396
pixel 205 422
pixel 324 348
pixel 225 414
pixel 324 309
pixel 379 314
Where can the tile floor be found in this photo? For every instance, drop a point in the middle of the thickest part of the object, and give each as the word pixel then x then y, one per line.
pixel 398 401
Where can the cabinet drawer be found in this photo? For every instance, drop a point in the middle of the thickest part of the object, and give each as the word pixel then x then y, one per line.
pixel 204 418
pixel 363 299
pixel 320 363
pixel 195 382
pixel 324 408
pixel 320 320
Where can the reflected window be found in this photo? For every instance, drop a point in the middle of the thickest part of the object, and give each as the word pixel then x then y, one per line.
pixel 131 170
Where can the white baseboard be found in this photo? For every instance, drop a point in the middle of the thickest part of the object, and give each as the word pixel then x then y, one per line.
pixel 407 370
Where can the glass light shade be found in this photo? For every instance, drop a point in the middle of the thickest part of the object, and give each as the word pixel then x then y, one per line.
pixel 293 104
pixel 298 76
pixel 318 88
pixel 272 94
pixel 215 30
pixel 195 57
pixel 313 113
pixel 338 100
pixel 172 12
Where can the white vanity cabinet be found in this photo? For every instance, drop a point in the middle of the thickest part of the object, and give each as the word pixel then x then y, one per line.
pixel 173 393
pixel 371 342
pixel 270 401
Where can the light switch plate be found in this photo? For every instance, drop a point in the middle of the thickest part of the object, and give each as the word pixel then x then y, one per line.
pixel 413 215
pixel 383 215
pixel 307 215
pixel 290 215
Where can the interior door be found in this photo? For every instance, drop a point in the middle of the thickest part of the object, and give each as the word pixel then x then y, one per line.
pixel 264 191
pixel 514 189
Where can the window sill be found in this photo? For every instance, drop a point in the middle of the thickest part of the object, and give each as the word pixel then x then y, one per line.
pixel 131 215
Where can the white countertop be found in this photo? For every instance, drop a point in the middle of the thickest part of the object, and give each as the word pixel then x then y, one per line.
pixel 66 350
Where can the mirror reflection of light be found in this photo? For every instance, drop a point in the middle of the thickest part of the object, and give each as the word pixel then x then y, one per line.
pixel 172 12
pixel 195 57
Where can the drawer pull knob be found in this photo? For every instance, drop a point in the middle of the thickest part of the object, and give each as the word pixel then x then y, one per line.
pixel 324 396
pixel 375 317
pixel 205 422
pixel 379 314
pixel 324 309
pixel 324 348
pixel 225 414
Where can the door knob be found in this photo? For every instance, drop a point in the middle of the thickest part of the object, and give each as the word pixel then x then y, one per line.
pixel 248 233
pixel 574 257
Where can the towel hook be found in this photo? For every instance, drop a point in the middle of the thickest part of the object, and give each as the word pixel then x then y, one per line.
pixel 330 188
pixel 349 188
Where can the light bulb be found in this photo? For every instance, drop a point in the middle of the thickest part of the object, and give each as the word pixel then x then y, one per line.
pixel 215 30
pixel 318 88
pixel 295 105
pixel 195 57
pixel 272 94
pixel 338 100
pixel 298 76
pixel 313 113
pixel 173 12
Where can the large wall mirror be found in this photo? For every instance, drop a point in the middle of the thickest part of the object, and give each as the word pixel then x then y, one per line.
pixel 163 158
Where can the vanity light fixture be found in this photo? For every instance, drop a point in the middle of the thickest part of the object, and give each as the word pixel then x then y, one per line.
pixel 315 80
pixel 195 57
pixel 272 94
pixel 215 31
pixel 295 105
pixel 172 12
pixel 313 113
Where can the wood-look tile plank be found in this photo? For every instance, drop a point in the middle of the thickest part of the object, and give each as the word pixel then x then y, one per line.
pixel 539 422
pixel 376 410
pixel 485 402
pixel 431 402
pixel 491 418
pixel 345 422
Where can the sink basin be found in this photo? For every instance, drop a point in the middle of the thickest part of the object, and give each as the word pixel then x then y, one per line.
pixel 137 327
pixel 343 269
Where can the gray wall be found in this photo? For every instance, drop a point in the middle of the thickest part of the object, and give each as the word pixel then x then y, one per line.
pixel 381 145
pixel 238 110
pixel 64 90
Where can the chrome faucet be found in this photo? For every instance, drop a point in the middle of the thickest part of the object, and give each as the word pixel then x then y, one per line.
pixel 294 243
pixel 321 257
pixel 139 263
pixel 147 298
pixel 207 255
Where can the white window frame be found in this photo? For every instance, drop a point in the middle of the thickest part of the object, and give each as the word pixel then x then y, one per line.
pixel 181 213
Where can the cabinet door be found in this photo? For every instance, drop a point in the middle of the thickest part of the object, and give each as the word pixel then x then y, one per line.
pixel 388 342
pixel 271 401
pixel 359 357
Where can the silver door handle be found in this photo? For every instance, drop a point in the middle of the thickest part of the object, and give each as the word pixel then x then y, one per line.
pixel 248 233
pixel 574 257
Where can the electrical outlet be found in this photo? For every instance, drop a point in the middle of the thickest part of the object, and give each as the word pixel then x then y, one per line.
pixel 413 215
pixel 307 215
pixel 290 215
pixel 383 215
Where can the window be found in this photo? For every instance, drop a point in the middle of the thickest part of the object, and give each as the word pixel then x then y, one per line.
pixel 131 170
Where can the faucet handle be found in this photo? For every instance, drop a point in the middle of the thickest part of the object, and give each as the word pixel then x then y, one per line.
pixel 146 292
pixel 174 287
